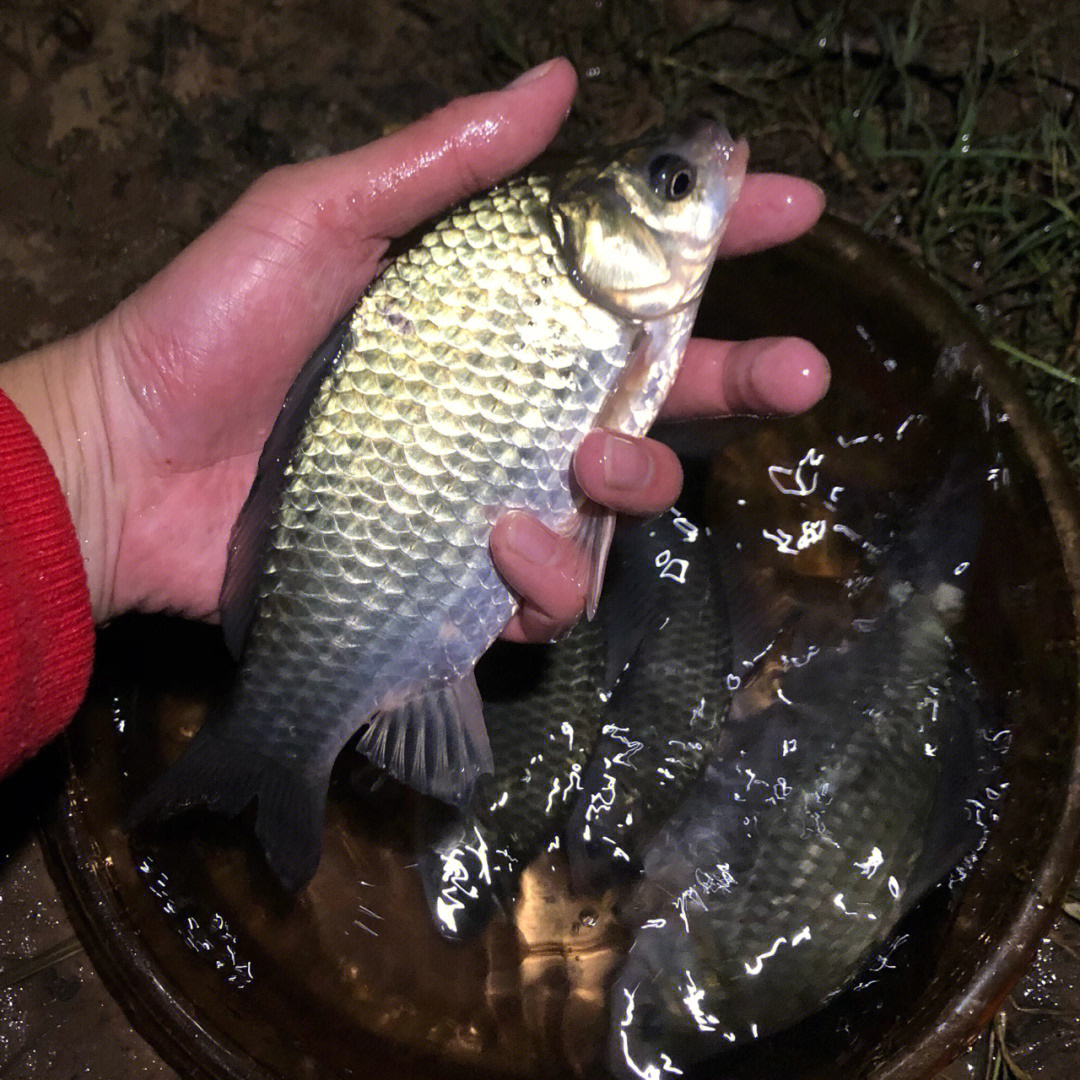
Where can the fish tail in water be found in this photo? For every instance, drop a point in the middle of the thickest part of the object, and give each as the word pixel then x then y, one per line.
pixel 434 740
pixel 217 774
pixel 466 879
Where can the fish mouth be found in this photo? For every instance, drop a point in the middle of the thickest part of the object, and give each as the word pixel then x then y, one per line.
pixel 724 160
pixel 737 157
pixel 716 144
pixel 732 156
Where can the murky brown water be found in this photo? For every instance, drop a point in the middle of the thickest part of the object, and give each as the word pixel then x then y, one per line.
pixel 219 968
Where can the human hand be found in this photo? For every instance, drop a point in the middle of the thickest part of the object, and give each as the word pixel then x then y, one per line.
pixel 154 418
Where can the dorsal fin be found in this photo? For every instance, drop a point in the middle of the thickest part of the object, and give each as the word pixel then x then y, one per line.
pixel 247 544
pixel 635 602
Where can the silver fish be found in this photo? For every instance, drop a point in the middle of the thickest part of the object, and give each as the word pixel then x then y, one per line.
pixel 360 584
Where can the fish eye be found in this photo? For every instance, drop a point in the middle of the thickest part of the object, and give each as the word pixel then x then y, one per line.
pixel 671 176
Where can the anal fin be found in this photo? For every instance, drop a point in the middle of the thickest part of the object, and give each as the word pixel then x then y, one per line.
pixel 434 741
pixel 592 529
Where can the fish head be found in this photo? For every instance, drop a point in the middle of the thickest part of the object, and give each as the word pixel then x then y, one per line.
pixel 639 226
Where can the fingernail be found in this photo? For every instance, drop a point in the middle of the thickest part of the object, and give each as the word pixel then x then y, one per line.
pixel 531 75
pixel 529 539
pixel 627 466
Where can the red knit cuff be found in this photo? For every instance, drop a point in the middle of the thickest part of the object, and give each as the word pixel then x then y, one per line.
pixel 46 624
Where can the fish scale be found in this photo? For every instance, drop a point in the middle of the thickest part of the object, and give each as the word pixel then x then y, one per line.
pixel 389 376
pixel 360 579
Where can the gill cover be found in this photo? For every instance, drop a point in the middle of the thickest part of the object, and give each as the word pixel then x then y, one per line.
pixel 639 227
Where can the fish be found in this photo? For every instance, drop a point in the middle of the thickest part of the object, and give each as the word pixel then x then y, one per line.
pixel 541 732
pixel 843 792
pixel 652 665
pixel 360 591
pixel 665 719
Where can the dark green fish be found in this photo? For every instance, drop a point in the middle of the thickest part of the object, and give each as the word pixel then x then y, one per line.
pixel 664 720
pixel 655 662
pixel 832 810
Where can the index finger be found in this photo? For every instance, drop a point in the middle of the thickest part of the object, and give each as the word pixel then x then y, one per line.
pixel 294 252
pixel 771 209
pixel 402 179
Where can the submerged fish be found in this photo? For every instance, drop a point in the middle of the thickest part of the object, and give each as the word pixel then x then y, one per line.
pixel 833 809
pixel 541 735
pixel 665 719
pixel 652 665
pixel 360 584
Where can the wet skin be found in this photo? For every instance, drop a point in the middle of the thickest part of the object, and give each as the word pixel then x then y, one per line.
pixel 155 416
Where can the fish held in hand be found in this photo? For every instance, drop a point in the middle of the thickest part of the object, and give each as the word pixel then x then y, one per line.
pixel 360 590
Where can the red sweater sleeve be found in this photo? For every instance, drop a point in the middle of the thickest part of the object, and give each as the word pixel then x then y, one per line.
pixel 46 626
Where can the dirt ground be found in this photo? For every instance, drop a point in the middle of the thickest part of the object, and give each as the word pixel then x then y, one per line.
pixel 128 126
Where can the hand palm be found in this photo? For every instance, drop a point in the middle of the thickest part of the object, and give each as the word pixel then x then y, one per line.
pixel 185 377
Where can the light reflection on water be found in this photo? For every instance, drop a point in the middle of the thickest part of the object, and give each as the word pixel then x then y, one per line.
pixel 209 938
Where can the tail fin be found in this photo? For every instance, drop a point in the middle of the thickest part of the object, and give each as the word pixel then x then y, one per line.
pixel 460 882
pixel 216 774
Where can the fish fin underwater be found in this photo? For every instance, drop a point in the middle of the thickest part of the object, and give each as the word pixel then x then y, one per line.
pixel 634 604
pixel 435 742
pixel 669 644
pixel 462 888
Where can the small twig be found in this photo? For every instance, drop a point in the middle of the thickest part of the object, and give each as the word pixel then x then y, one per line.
pixel 999 1045
pixel 1039 1012
pixel 18 970
pixel 993 1060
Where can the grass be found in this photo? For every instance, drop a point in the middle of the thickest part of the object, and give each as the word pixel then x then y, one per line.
pixel 1000 1064
pixel 958 141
